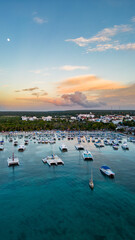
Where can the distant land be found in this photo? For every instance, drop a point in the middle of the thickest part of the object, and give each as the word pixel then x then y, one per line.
pixel 66 113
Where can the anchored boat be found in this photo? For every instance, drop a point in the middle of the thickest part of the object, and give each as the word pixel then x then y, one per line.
pixel 53 160
pixel 87 155
pixel 107 171
pixel 12 161
pixel 63 148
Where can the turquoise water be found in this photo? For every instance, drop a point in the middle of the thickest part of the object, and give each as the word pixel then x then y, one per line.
pixel 39 202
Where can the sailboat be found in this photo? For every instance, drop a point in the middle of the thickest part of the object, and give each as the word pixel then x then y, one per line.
pixel 91 184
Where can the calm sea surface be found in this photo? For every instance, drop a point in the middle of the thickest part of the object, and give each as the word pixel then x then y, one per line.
pixel 39 202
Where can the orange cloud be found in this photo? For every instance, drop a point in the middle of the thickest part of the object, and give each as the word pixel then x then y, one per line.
pixel 86 83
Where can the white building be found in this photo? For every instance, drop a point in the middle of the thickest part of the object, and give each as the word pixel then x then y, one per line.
pixel 49 118
pixel 24 118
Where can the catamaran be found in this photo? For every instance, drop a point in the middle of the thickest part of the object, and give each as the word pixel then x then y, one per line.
pixel 12 161
pixel 21 148
pixel 63 148
pixel 87 155
pixel 79 147
pixel 53 160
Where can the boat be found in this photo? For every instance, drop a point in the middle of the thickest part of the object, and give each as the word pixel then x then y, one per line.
pixel 79 147
pixel 53 160
pixel 15 143
pixel 26 142
pixel 1 147
pixel 106 142
pixel 87 155
pixel 88 139
pixel 12 161
pixel 115 147
pixel 125 146
pixel 91 184
pixel 10 139
pixel 107 171
pixel 21 148
pixel 52 141
pixel 99 145
pixel 63 148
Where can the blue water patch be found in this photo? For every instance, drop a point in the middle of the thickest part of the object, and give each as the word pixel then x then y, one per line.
pixel 39 202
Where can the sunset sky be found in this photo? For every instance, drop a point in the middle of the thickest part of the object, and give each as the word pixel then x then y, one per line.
pixel 62 55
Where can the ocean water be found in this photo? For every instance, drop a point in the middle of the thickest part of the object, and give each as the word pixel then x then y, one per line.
pixel 39 202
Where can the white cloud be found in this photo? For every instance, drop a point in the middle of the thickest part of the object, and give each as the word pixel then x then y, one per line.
pixel 133 19
pixel 72 68
pixel 102 36
pixel 104 39
pixel 104 47
pixel 39 20
pixel 40 71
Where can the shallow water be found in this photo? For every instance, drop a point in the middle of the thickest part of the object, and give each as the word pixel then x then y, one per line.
pixel 41 202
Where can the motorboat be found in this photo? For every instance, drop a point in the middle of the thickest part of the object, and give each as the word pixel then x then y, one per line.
pixel 52 141
pixel 115 147
pixel 21 148
pixel 1 147
pixel 106 142
pixel 26 142
pixel 125 146
pixel 87 155
pixel 53 160
pixel 12 161
pixel 88 139
pixel 15 143
pixel 63 148
pixel 79 147
pixel 10 139
pixel 99 145
pixel 107 171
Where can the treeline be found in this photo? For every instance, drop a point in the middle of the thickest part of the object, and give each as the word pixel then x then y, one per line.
pixel 16 124
pixel 67 113
pixel 129 123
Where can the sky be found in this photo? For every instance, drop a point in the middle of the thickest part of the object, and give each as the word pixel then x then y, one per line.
pixel 66 55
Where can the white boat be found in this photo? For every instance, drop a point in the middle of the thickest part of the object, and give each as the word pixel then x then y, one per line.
pixel 15 143
pixel 12 161
pixel 99 145
pixel 63 148
pixel 52 141
pixel 26 142
pixel 106 142
pixel 87 155
pixel 125 146
pixel 107 171
pixel 1 147
pixel 21 148
pixel 53 160
pixel 10 139
pixel 91 184
pixel 115 147
pixel 79 147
